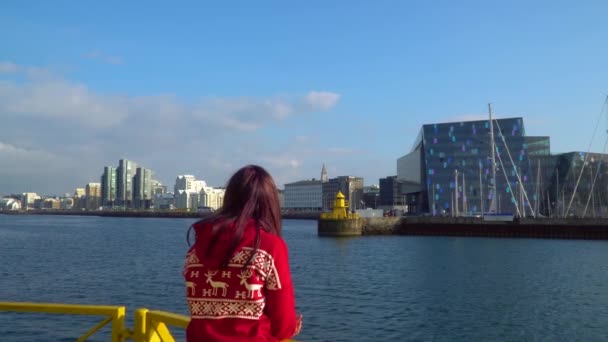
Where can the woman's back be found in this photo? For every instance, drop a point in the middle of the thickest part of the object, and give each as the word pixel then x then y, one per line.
pixel 248 299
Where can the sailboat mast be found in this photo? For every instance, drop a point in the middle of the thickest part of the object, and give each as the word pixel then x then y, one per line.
pixel 537 200
pixel 480 191
pixel 465 205
pixel 456 193
pixel 557 214
pixel 493 148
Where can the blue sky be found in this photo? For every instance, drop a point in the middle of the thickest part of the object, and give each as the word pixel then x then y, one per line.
pixel 204 88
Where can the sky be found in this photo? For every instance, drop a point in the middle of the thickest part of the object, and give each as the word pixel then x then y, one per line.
pixel 204 88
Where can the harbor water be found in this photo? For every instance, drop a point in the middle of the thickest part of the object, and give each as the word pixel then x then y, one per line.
pixel 373 288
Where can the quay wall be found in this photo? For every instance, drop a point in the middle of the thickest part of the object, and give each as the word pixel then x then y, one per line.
pixel 572 228
pixel 346 227
pixel 380 225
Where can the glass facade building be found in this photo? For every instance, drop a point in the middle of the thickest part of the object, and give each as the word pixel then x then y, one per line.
pixel 456 167
pixel 142 188
pixel 124 182
pixel 587 199
pixel 108 186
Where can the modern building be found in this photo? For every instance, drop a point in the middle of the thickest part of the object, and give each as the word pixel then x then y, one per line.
pixel 399 194
pixel 371 196
pixel 164 201
pixel 158 187
pixel 124 182
pixel 184 182
pixel 142 188
pixel 350 186
pixel 28 199
pixel 303 195
pixel 9 204
pixel 573 184
pixel 450 166
pixel 67 203
pixel 108 187
pixel 187 199
pixel 93 196
pixel 391 192
pixel 80 199
pixel 281 194
pixel 211 198
pixel 49 203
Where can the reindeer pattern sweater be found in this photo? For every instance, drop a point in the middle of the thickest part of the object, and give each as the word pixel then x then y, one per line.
pixel 232 303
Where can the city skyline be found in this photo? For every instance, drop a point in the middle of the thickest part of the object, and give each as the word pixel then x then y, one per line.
pixel 206 88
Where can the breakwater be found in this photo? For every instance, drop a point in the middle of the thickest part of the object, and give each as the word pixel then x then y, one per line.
pixel 562 228
pixel 571 228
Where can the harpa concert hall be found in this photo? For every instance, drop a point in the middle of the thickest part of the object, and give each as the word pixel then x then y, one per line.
pixel 449 172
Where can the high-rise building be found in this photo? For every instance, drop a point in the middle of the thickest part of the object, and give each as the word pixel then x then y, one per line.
pixel 184 182
pixel 142 188
pixel 124 182
pixel 93 196
pixel 80 198
pixel 108 186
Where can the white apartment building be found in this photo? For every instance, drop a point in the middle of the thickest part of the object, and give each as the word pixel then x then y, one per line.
pixel 188 182
pixel 212 198
pixel 303 195
pixel 29 198
pixel 186 199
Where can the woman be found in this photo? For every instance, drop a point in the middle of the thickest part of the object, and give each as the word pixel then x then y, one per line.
pixel 238 283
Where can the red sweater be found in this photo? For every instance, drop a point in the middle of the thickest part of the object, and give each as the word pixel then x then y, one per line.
pixel 235 304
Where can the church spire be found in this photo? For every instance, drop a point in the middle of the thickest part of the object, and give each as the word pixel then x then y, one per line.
pixel 324 177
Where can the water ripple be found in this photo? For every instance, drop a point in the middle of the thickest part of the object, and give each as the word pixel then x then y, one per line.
pixel 353 289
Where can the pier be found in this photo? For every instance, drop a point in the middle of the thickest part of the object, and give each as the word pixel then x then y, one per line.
pixel 574 228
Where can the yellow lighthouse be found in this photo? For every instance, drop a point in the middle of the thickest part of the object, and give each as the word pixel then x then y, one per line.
pixel 340 211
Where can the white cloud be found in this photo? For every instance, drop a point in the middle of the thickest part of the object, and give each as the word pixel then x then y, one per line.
pixel 282 161
pixel 322 100
pixel 57 99
pixel 51 124
pixel 7 67
pixel 26 161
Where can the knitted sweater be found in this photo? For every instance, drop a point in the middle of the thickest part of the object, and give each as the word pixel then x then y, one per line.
pixel 233 303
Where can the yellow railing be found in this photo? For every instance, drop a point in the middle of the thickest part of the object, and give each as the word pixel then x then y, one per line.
pixel 150 326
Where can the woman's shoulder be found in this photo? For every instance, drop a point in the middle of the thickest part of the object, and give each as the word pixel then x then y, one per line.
pixel 271 241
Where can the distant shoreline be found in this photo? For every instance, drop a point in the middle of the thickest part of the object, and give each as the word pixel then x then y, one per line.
pixel 145 214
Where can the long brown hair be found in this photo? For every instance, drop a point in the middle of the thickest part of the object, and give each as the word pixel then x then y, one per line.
pixel 250 194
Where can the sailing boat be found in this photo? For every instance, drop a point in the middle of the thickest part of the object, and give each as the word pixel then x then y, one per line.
pixel 493 214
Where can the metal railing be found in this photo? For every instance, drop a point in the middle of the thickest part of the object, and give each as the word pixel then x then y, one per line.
pixel 150 326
